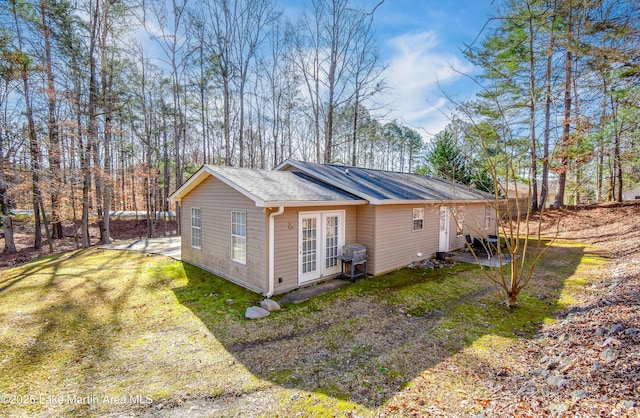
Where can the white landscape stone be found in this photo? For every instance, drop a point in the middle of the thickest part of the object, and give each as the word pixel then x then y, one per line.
pixel 270 305
pixel 256 312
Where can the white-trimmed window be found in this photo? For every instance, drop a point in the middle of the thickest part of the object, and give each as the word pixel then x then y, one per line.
pixel 487 217
pixel 196 228
pixel 239 237
pixel 418 219
pixel 459 218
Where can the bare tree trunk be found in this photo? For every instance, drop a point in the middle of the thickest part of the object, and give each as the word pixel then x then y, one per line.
pixel 316 120
pixel 7 226
pixel 532 116
pixel 54 146
pixel 616 174
pixel 91 150
pixel 544 192
pixel 328 132
pixel 566 123
pixel 46 226
pixel 165 156
pixel 202 87
pixel 106 73
pixel 226 109
pixel 600 146
pixel 85 169
pixel 241 138
pixel 335 33
pixel 354 134
pixel 105 228
pixel 34 147
pixel 83 146
pixel 7 229
pixel 72 168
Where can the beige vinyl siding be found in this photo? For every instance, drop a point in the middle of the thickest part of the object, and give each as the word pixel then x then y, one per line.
pixel 474 216
pixel 474 220
pixel 216 201
pixel 464 212
pixel 396 244
pixel 365 233
pixel 286 242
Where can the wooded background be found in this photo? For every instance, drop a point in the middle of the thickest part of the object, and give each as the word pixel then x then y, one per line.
pixel 112 104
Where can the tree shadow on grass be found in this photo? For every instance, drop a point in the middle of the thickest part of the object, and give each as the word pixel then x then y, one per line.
pixel 65 323
pixel 365 342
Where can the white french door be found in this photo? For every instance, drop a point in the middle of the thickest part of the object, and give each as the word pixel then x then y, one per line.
pixel 320 236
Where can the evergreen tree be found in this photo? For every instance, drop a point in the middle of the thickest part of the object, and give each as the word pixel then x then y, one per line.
pixel 444 158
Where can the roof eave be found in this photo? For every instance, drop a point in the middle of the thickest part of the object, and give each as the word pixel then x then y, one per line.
pixel 306 203
pixel 426 201
pixel 196 178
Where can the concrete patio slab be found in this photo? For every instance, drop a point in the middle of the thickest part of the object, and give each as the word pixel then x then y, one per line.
pixel 481 259
pixel 168 246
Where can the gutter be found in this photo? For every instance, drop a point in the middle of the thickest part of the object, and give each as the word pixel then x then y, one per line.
pixel 307 203
pixel 272 240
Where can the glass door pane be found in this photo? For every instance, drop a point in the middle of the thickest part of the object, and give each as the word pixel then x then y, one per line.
pixel 309 244
pixel 331 241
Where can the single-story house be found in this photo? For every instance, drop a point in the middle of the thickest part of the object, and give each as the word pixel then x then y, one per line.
pixel 274 231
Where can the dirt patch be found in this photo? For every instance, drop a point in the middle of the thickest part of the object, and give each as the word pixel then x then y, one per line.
pixel 587 362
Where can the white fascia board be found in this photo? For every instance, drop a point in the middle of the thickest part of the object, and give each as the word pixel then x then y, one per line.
pixel 305 203
pixel 428 202
pixel 282 165
pixel 195 179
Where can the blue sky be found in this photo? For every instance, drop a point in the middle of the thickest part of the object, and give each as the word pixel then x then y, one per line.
pixel 422 41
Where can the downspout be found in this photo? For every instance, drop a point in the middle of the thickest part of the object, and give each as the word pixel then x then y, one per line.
pixel 272 241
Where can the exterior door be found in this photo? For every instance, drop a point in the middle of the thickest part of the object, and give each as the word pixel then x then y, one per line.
pixel 321 236
pixel 444 229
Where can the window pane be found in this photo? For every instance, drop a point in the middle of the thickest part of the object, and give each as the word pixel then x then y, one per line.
pixel 309 245
pixel 418 219
pixel 196 230
pixel 239 236
pixel 459 218
pixel 331 242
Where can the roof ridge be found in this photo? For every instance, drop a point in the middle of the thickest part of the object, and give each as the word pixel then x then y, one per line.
pixel 225 167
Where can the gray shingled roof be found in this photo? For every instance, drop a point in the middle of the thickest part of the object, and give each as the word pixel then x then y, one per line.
pixel 379 186
pixel 281 187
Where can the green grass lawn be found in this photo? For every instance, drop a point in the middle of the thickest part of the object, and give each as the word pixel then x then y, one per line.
pixel 95 332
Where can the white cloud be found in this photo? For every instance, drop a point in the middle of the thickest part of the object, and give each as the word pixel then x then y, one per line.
pixel 418 72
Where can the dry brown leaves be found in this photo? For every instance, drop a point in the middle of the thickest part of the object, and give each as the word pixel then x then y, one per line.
pixel 588 362
pixel 121 229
